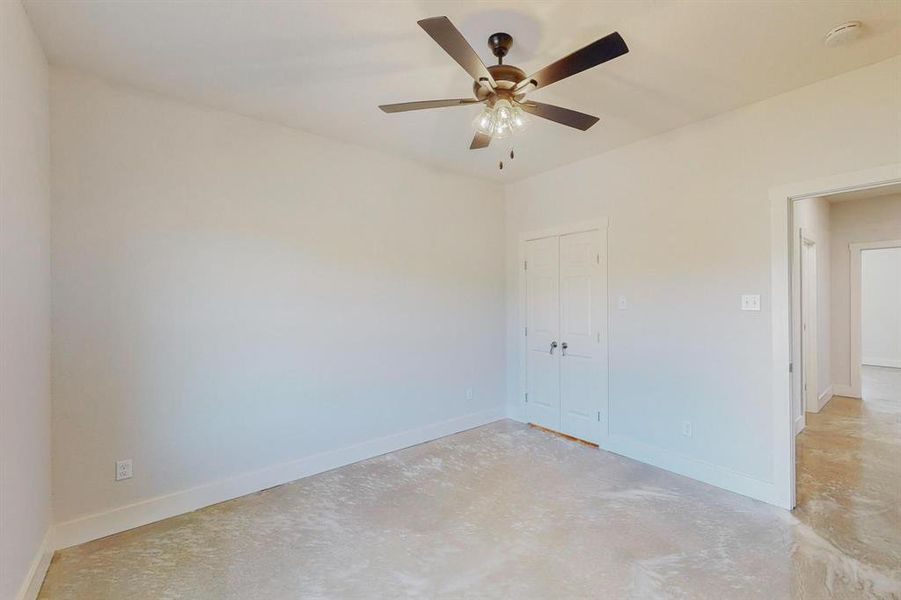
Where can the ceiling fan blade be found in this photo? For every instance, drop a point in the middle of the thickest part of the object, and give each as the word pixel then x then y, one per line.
pixel 448 37
pixel 558 114
pixel 604 49
pixel 405 106
pixel 480 140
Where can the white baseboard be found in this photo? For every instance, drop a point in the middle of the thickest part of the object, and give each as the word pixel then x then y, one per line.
pixel 31 585
pixel 824 398
pixel 703 471
pixel 95 526
pixel 799 424
pixel 894 363
pixel 700 470
pixel 843 389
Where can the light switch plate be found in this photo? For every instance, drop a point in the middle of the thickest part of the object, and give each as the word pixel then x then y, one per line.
pixel 622 303
pixel 750 302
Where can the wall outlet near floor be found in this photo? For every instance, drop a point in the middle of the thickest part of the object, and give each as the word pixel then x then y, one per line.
pixel 686 428
pixel 123 469
pixel 469 394
pixel 750 302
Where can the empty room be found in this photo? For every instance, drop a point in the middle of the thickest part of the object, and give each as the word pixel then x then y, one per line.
pixel 507 299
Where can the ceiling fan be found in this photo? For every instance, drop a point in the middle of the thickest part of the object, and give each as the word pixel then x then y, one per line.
pixel 503 88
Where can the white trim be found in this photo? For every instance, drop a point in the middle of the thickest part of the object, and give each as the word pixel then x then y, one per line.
pixel 881 361
pixel 34 579
pixel 855 307
pixel 119 519
pixel 781 198
pixel 580 227
pixel 800 355
pixel 701 470
pixel 824 398
pixel 843 389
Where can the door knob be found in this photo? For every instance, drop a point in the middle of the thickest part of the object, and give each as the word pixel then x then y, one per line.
pixel 564 347
pixel 553 345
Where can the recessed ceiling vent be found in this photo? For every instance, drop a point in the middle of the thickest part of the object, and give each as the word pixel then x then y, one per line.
pixel 843 34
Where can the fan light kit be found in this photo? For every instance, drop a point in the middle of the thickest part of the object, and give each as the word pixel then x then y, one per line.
pixel 501 120
pixel 503 88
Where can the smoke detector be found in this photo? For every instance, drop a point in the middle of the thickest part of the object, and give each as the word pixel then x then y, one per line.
pixel 843 34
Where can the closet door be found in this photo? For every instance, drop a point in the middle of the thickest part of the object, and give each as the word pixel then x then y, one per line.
pixel 583 334
pixel 542 332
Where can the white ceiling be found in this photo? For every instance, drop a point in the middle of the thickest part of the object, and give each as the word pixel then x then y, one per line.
pixel 325 66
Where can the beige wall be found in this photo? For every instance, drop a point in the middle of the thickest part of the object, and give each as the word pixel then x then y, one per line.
pixel 24 300
pixel 870 220
pixel 689 233
pixel 232 295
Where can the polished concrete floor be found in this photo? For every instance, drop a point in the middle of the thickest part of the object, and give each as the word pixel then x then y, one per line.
pixel 505 511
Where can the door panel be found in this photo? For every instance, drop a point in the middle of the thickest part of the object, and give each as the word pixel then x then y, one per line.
pixel 583 327
pixel 543 327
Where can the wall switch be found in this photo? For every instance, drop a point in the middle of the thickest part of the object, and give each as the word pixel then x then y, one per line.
pixel 469 394
pixel 686 428
pixel 123 469
pixel 750 302
pixel 622 303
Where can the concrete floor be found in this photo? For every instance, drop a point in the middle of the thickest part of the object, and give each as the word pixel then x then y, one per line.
pixel 506 511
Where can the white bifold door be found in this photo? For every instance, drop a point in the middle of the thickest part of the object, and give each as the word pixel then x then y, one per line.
pixel 566 333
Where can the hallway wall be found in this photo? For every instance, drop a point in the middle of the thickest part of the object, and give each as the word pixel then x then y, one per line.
pixel 867 220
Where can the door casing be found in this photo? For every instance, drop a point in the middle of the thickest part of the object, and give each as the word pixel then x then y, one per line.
pixel 780 490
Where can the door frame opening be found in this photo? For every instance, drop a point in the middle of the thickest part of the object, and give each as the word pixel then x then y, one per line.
pixel 856 304
pixel 782 255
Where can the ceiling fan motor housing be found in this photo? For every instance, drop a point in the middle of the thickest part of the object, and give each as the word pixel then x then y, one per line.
pixel 506 76
pixel 500 44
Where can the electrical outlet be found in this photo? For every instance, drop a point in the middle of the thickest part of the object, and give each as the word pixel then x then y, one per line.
pixel 123 469
pixel 686 428
pixel 622 303
pixel 750 302
pixel 469 394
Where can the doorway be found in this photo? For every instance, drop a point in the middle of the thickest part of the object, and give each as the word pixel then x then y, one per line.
pixel 785 307
pixel 565 330
pixel 875 322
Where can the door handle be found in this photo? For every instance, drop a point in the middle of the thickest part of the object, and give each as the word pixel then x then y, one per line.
pixel 564 347
pixel 553 345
